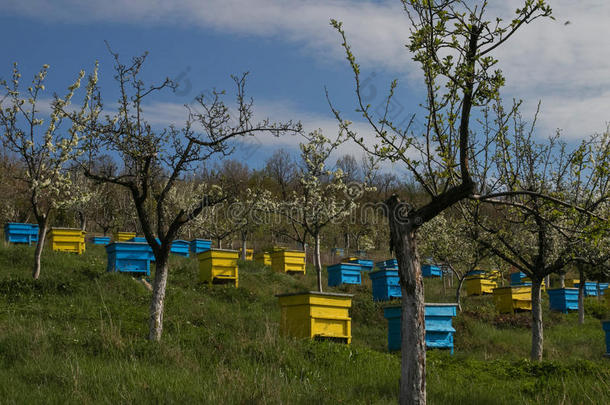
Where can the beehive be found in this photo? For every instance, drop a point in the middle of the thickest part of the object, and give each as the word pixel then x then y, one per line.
pixel 571 282
pixel 563 299
pixel 365 265
pixel 180 247
pixel 218 266
pixel 607 295
pixel 316 315
pixel 288 261
pixel 249 254
pixel 344 273
pixel 602 287
pixel 123 236
pixel 263 258
pixel 100 240
pixel 438 323
pixel 431 270
pixel 517 278
pixel 390 264
pixel 513 298
pixel 130 257
pixel 200 245
pixel 338 252
pixel 590 288
pixel 67 240
pixel 386 284
pixel 479 285
pixel 606 327
pixel 15 232
pixel 142 239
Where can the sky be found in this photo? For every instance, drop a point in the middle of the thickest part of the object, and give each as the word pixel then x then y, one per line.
pixel 292 54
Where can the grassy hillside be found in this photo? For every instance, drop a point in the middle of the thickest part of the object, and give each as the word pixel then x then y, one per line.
pixel 78 335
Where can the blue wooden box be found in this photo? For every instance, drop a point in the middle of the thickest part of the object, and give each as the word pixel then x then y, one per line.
pixel 386 285
pixel 390 264
pixel 338 251
pixel 366 265
pixel 130 257
pixel 439 326
pixel 15 232
pixel 475 273
pixel 200 245
pixel 563 299
pixel 344 273
pixel 100 240
pixel 606 326
pixel 431 270
pixel 516 278
pixel 601 287
pixel 180 247
pixel 590 288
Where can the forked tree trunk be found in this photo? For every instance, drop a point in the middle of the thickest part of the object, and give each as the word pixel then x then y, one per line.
pixel 219 243
pixel 244 245
pixel 581 298
pixel 317 262
pixel 42 234
pixel 83 220
pixel 537 326
pixel 413 330
pixel 157 303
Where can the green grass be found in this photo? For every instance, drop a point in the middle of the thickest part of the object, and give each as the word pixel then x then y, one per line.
pixel 78 336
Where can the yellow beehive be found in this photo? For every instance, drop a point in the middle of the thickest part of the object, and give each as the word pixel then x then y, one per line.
pixel 479 285
pixel 249 254
pixel 67 240
pixel 349 259
pixel 288 261
pixel 494 275
pixel 571 282
pixel 123 236
pixel 529 280
pixel 263 258
pixel 316 315
pixel 218 266
pixel 513 298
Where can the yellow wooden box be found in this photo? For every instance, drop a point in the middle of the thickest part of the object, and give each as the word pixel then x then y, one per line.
pixel 529 280
pixel 494 275
pixel 513 298
pixel 263 258
pixel 123 236
pixel 571 282
pixel 218 266
pixel 67 240
pixel 288 261
pixel 316 315
pixel 349 259
pixel 479 285
pixel 249 254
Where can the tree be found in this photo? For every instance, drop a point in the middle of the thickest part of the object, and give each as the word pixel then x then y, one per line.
pixel 155 161
pixel 453 42
pixel 44 153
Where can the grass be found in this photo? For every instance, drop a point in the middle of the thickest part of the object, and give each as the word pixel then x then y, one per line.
pixel 78 336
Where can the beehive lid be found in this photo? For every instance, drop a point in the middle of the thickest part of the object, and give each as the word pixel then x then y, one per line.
pixel 326 294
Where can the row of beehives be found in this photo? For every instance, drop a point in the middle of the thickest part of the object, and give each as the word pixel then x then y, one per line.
pixel 61 239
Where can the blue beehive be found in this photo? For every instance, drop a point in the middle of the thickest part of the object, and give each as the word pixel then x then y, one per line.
pixel 338 251
pixel 475 273
pixel 130 257
pixel 386 285
pixel 100 240
pixel 606 326
pixel 590 288
pixel 563 299
pixel 344 273
pixel 601 287
pixel 180 247
pixel 200 245
pixel 141 239
pixel 431 270
pixel 15 232
pixel 439 326
pixel 361 253
pixel 516 278
pixel 366 265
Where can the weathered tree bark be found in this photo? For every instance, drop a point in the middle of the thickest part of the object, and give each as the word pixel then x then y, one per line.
pixel 244 254
pixel 317 262
pixel 157 304
pixel 413 330
pixel 581 298
pixel 562 280
pixel 219 243
pixel 537 326
pixel 42 234
pixel 83 220
pixel 458 293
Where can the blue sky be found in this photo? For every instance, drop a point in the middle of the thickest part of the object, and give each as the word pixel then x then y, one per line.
pixel 291 53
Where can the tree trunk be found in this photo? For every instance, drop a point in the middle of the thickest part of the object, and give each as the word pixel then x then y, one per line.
pixel 304 247
pixel 244 253
pixel 317 262
pixel 157 303
pixel 458 292
pixel 219 243
pixel 581 298
pixel 413 330
pixel 562 281
pixel 42 234
pixel 537 326
pixel 83 220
